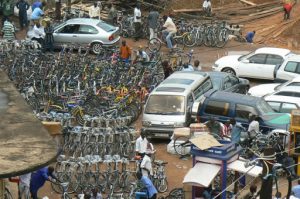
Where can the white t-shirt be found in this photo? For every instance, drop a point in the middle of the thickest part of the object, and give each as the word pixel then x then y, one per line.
pixel 169 24
pixel 144 56
pixel 38 32
pixel 25 179
pixel 206 4
pixel 146 163
pixel 253 126
pixel 94 11
pixel 137 13
pixel 141 145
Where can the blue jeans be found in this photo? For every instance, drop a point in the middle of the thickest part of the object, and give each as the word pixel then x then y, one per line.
pixel 168 36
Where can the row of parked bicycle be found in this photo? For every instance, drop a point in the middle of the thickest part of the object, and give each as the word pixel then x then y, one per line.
pixel 95 101
pixel 110 174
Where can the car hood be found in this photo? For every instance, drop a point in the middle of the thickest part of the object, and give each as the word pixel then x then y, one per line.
pixel 230 59
pixel 262 89
pixel 277 120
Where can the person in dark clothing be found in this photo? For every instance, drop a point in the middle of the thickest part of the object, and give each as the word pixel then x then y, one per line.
pixel 250 36
pixel 49 40
pixel 252 193
pixel 7 10
pixel 23 6
pixel 167 69
pixel 137 20
pixel 57 9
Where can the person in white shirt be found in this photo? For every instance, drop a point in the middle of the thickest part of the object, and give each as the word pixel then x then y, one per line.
pixel 38 33
pixel 169 31
pixel 141 144
pixel 146 165
pixel 253 128
pixel 137 20
pixel 94 11
pixel 141 55
pixel 187 67
pixel 207 7
pixel 24 186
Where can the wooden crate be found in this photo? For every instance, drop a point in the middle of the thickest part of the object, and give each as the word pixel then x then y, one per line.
pixel 198 127
pixel 53 128
pixel 295 120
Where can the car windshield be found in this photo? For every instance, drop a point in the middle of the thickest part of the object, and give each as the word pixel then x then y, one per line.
pixel 246 55
pixel 216 83
pixel 165 105
pixel 264 107
pixel 106 27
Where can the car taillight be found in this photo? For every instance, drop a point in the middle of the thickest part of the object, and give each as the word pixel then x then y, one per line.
pixel 111 37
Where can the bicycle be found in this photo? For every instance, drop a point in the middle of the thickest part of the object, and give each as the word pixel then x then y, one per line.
pixel 186 39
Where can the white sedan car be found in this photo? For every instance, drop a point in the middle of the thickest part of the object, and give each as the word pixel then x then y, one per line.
pixel 284 100
pixel 264 89
pixel 261 63
pixel 289 69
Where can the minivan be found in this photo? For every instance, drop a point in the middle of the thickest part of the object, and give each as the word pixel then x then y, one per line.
pixel 224 105
pixel 169 105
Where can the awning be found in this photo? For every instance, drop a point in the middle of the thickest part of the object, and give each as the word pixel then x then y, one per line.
pixel 239 166
pixel 201 174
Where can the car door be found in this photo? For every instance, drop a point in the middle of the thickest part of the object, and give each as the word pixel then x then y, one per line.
pixel 67 34
pixel 87 34
pixel 268 70
pixel 251 67
pixel 288 71
pixel 217 109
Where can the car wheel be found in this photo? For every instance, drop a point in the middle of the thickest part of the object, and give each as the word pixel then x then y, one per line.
pixel 228 70
pixel 96 48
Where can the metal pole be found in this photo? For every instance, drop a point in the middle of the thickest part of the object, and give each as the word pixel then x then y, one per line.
pixel 224 178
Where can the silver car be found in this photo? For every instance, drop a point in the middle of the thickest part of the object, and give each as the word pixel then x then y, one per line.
pixel 87 32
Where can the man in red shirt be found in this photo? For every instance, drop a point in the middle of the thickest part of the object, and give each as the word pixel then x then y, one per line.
pixel 287 7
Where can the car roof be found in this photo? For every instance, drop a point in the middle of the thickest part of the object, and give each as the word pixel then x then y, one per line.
pixel 295 58
pixel 232 97
pixel 180 82
pixel 290 88
pixel 280 98
pixel 83 21
pixel 277 51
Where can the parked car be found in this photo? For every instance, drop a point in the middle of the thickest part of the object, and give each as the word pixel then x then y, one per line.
pixel 169 105
pixel 261 63
pixel 229 83
pixel 283 104
pixel 264 89
pixel 224 105
pixel 85 32
pixel 289 69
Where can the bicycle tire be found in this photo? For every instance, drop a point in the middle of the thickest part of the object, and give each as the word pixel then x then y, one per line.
pixel 154 44
pixel 176 192
pixel 162 185
pixel 180 145
pixel 189 40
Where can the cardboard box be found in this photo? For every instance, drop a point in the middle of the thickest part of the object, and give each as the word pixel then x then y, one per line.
pixel 181 132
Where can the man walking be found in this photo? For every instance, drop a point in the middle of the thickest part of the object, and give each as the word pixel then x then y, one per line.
pixel 141 144
pixel 287 7
pixel 23 6
pixel 39 178
pixel 206 6
pixel 125 52
pixel 137 20
pixel 112 15
pixel 24 185
pixel 7 10
pixel 153 22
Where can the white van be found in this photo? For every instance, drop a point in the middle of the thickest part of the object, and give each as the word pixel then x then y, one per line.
pixel 169 105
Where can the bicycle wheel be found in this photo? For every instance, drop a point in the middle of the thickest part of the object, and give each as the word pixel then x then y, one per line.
pixel 182 145
pixel 189 40
pixel 222 38
pixel 154 44
pixel 162 185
